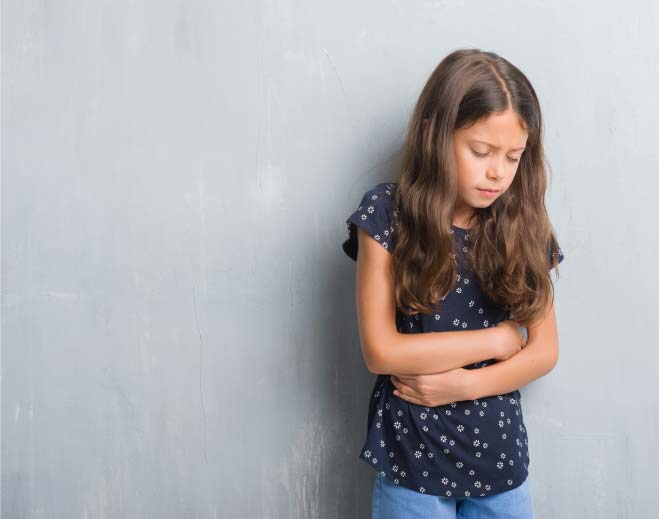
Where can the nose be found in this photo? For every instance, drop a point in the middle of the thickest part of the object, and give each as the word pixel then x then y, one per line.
pixel 496 170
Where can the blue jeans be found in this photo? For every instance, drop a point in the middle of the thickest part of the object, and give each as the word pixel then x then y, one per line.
pixel 391 501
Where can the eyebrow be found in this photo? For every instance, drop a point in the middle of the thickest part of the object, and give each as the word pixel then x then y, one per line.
pixel 496 147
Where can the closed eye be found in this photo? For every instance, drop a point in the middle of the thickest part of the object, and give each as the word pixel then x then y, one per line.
pixel 485 155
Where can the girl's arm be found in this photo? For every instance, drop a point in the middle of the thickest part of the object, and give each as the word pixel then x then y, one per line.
pixel 388 351
pixel 534 361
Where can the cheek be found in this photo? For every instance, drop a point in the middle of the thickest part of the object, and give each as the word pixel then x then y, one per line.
pixel 512 176
pixel 469 170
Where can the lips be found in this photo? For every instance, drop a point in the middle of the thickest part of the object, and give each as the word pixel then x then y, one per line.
pixel 489 190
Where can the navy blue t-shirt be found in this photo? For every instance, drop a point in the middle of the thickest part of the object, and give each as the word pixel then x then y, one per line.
pixel 465 448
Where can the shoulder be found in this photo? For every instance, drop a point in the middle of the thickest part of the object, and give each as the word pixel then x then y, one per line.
pixel 375 214
pixel 378 199
pixel 555 254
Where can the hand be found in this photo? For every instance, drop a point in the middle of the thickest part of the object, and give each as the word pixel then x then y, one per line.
pixel 509 341
pixel 434 389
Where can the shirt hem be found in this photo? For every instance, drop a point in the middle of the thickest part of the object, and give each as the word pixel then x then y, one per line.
pixel 456 492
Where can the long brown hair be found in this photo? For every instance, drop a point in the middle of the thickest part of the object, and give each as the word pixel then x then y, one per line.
pixel 512 240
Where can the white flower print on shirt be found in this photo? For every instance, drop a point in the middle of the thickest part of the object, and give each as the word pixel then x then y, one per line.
pixel 472 437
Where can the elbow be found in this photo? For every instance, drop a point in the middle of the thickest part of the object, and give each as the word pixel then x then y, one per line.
pixel 375 363
pixel 374 368
pixel 552 359
pixel 376 355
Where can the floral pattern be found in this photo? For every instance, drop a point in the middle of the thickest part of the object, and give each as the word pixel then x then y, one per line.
pixel 464 448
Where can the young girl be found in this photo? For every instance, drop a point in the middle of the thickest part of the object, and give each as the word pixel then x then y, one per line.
pixel 459 244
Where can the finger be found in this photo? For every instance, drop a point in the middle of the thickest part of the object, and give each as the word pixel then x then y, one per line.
pixel 403 387
pixel 409 398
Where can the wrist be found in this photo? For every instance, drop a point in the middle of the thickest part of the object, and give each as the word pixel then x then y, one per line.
pixel 494 342
pixel 472 387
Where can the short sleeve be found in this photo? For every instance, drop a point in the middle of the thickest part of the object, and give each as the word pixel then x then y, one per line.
pixel 553 253
pixel 375 215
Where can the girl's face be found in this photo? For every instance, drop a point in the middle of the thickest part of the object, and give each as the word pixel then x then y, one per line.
pixel 487 155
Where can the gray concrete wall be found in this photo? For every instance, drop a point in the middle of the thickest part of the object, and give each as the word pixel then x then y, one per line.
pixel 179 334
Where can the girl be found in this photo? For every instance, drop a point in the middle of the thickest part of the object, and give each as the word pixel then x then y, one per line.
pixel 459 244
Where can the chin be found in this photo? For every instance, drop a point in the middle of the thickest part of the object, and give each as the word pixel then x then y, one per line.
pixel 482 203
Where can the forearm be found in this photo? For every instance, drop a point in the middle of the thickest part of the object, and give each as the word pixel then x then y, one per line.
pixel 434 352
pixel 534 361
